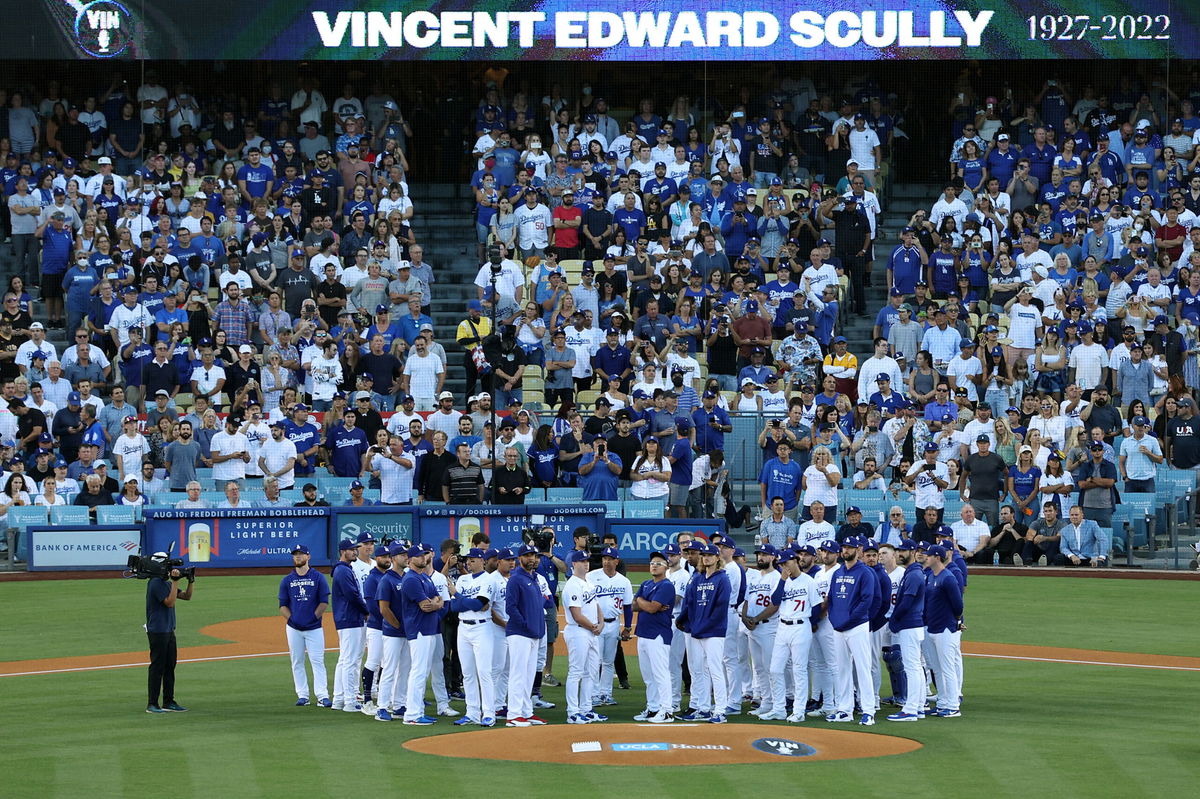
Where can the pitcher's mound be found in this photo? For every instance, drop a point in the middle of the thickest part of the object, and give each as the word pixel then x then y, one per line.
pixel 662 744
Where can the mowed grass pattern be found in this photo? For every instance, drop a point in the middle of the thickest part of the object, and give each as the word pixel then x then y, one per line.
pixel 1029 728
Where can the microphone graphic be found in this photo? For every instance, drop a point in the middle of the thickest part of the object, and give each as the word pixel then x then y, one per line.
pixel 103 39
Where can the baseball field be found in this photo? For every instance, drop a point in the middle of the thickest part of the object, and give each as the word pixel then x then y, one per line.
pixel 1073 687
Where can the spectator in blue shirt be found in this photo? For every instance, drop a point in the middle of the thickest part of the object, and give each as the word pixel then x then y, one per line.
pixel 598 472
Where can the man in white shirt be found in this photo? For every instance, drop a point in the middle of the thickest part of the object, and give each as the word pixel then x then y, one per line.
pixel 230 452
pixel 1032 256
pixel 277 457
pixel 614 593
pixel 880 363
pixel 130 313
pixel 445 418
pixel 864 147
pixel 534 222
pixel 929 478
pixel 948 205
pixel 1088 362
pixel 816 529
pixel 582 635
pixel 37 343
pixel 257 433
pixel 424 375
pixel 965 369
pixel 129 449
pixel 982 425
pixel 972 536
pixel 394 468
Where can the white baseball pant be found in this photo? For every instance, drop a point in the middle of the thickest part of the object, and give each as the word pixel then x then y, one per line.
pixel 909 642
pixel 654 658
pixel 932 666
pixel 701 693
pixel 347 675
pixel 374 658
pixel 712 661
pixel 522 660
pixel 541 656
pixel 821 663
pixel 946 650
pixel 312 643
pixel 735 658
pixel 393 671
pixel 475 645
pixel 678 648
pixel 852 648
pixel 610 639
pixel 499 668
pixel 420 651
pixel 792 644
pixel 437 675
pixel 879 638
pixel 762 642
pixel 583 664
pixel 958 664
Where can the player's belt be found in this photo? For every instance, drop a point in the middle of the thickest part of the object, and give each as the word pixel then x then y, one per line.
pixel 469 621
pixel 788 621
pixel 614 618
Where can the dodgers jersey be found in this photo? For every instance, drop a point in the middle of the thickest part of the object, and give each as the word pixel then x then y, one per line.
pixel 760 592
pixel 736 590
pixel 895 575
pixel 613 594
pixel 796 598
pixel 498 595
pixel 469 586
pixel 823 578
pixel 680 579
pixel 362 570
pixel 579 593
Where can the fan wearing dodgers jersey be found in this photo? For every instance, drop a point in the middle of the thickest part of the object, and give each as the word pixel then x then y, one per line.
pixel 585 623
pixel 655 600
pixel 383 562
pixel 303 598
pixel 476 642
pixel 760 623
pixel 614 594
pixel 349 618
pixel 821 655
pixel 797 597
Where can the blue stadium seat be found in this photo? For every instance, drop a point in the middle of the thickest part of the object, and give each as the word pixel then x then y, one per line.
pixel 613 508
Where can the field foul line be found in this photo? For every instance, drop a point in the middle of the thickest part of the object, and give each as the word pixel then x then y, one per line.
pixel 335 649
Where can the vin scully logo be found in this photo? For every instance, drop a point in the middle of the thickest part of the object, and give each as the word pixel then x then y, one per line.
pixel 103 28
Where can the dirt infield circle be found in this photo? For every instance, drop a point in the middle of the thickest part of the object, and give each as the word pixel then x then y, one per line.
pixel 662 744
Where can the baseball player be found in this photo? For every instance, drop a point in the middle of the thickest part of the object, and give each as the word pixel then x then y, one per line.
pixel 821 657
pixel 475 640
pixel 943 607
pixel 349 618
pixel 303 598
pixel 705 616
pixel 735 664
pixel 437 673
pixel 544 644
pixel 853 595
pixel 506 561
pixel 883 606
pixel 655 601
pixel 614 593
pixel 420 606
pixel 582 636
pixel 796 596
pixel 907 625
pixel 701 686
pixel 759 621
pixel 526 605
pixel 679 572
pixel 383 562
pixel 394 665
pixel 891 648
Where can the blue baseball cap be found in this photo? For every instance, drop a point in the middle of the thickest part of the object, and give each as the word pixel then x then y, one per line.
pixel 829 545
pixel 682 423
pixel 852 541
pixel 738 552
pixel 751 306
pixel 345 544
pixel 805 549
pixel 711 549
pixel 73 398
pixel 490 553
pixel 506 554
pixel 383 551
pixel 870 543
pixel 300 549
pixel 576 556
pixel 944 531
pixel 397 548
pixel 610 552
pixel 853 509
pixel 936 551
pixel 476 552
pixel 906 545
pixel 528 549
pixel 696 545
pixel 766 549
pixel 932 447
pixel 365 537
pixel 1141 420
pixel 895 292
pixel 965 343
pixel 786 555
pixel 671 549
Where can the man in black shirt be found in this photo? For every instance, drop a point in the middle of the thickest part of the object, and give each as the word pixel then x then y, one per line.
pixel 310 498
pixel 368 418
pixel 854 525
pixel 984 472
pixel 464 480
pixel 1008 537
pixel 926 528
pixel 431 475
pixel 510 483
pixel 853 243
pixel 624 444
pixel 93 495
pixel 601 423
pixel 161 595
pixel 31 423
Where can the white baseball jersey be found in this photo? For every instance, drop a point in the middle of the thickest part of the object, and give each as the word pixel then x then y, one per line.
pixel 470 586
pixel 760 589
pixel 796 597
pixel 895 575
pixel 362 570
pixel 612 593
pixel 813 533
pixel 496 593
pixel 823 578
pixel 680 579
pixel 442 584
pixel 579 593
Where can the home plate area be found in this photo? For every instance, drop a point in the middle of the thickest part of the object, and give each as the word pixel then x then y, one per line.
pixel 657 744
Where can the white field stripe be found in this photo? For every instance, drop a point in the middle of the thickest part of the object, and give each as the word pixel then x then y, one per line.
pixel 143 664
pixel 1082 662
pixel 335 649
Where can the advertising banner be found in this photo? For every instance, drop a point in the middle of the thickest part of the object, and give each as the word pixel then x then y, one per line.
pixel 503 524
pixel 72 548
pixel 601 30
pixel 228 537
pixel 637 538
pixel 380 522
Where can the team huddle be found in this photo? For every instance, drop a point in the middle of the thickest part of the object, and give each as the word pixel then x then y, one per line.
pixel 801 632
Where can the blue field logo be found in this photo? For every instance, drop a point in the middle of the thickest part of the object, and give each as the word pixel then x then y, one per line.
pixel 783 747
pixel 641 747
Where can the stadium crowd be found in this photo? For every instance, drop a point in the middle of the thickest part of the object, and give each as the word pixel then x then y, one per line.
pixel 246 302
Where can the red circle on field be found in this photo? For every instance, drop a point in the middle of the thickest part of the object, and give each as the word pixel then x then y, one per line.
pixel 662 744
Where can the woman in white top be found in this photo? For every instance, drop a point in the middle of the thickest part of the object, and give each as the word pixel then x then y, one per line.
pixel 714 386
pixel 49 497
pixel 326 372
pixel 774 401
pixel 651 473
pixel 524 431
pixel 748 400
pixel 14 494
pixel 540 159
pixel 820 482
pixel 1159 366
pixel 395 201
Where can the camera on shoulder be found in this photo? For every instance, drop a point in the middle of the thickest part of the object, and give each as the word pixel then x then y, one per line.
pixel 160 564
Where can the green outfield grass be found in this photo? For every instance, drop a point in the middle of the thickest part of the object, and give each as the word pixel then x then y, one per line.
pixel 1029 728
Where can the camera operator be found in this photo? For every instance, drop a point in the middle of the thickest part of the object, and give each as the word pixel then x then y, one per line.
pixel 161 595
